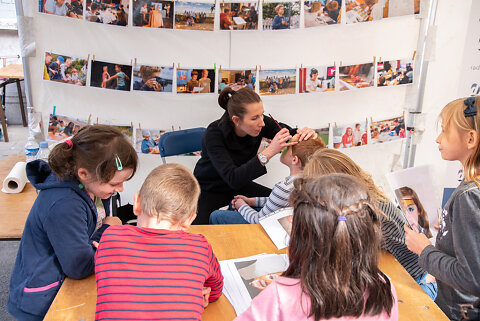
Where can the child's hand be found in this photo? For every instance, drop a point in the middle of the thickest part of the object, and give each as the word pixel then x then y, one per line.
pixel 251 201
pixel 206 295
pixel 415 242
pixel 112 220
pixel 238 202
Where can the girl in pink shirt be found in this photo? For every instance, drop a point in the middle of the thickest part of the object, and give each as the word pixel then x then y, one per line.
pixel 333 272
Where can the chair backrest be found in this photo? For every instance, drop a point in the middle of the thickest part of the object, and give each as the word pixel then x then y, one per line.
pixel 180 142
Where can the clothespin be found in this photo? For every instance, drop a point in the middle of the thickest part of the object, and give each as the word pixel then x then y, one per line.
pixel 139 126
pixel 54 108
pixel 374 59
pixel 131 124
pixel 135 63
pixel 173 65
pixel 88 58
pixel 173 128
pixel 335 124
pixel 89 119
pixel 414 54
pixel 260 67
pixel 97 121
pixel 179 128
pixel 215 67
pixel 334 64
pixel 178 65
pixel 340 64
pixel 371 119
pixel 256 68
pixel 131 61
pixel 93 59
pixel 301 66
pixel 379 59
pixel 220 69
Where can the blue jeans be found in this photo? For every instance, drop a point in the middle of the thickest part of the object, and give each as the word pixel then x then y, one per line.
pixel 429 288
pixel 226 217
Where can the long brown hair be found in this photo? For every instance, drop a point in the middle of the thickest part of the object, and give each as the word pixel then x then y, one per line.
pixel 234 102
pixel 334 247
pixel 406 191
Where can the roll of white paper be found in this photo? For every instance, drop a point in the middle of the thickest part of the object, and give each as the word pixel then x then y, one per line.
pixel 16 179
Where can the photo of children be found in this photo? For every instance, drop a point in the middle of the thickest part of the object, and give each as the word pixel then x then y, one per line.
pixel 322 12
pixel 195 81
pixel 348 136
pixel 112 12
pixel 236 79
pixel 64 8
pixel 281 15
pixel 147 140
pixel 395 72
pixel 324 134
pixel 65 69
pixel 153 14
pixel 61 127
pixel 194 15
pixel 387 130
pixel 111 76
pixel 316 79
pixel 152 78
pixel 127 131
pixel 286 223
pixel 414 211
pixel 238 16
pixel 277 82
pixel 365 10
pixel 356 76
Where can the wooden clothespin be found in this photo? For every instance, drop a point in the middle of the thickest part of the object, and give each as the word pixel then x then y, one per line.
pixel 173 65
pixel 88 57
pixel 335 124
pixel 371 120
pixel 178 66
pixel 334 64
pixel 97 121
pixel 179 128
pixel 131 62
pixel 135 64
pixel 301 66
pixel 131 124
pixel 89 119
pixel 379 59
pixel 374 59
pixel 139 126
pixel 340 64
pixel 173 128
pixel 93 59
pixel 414 54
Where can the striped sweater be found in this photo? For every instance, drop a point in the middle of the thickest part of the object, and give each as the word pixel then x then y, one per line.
pixel 277 199
pixel 152 274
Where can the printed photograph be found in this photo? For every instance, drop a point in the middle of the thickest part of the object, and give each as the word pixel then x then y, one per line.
pixel 64 8
pixel 153 14
pixel 153 78
pixel 147 140
pixel 194 15
pixel 413 209
pixel 356 76
pixel 236 79
pixel 323 134
pixel 195 81
pixel 127 131
pixel 112 12
pixel 395 72
pixel 365 10
pixel 281 15
pixel 277 81
pixel 65 69
pixel 397 8
pixel 110 76
pixel 351 135
pixel 61 127
pixel 238 16
pixel 286 223
pixel 322 12
pixel 387 130
pixel 316 79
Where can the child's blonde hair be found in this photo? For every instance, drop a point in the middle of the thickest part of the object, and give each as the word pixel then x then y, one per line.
pixel 170 192
pixel 453 116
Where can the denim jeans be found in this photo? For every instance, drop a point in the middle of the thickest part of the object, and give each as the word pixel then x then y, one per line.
pixel 429 288
pixel 226 217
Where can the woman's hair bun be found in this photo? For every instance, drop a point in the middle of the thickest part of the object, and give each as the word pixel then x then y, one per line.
pixel 225 96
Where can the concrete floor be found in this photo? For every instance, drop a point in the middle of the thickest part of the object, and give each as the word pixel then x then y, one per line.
pixel 17 135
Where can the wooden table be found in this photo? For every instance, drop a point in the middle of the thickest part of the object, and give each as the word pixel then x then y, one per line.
pixel 77 298
pixel 14 208
pixel 14 74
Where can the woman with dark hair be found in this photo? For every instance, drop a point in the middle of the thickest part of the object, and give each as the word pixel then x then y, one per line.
pixel 230 160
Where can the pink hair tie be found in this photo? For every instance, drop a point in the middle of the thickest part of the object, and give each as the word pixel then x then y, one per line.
pixel 69 142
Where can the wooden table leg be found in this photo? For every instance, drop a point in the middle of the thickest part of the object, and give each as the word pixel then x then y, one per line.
pixel 22 107
pixel 4 123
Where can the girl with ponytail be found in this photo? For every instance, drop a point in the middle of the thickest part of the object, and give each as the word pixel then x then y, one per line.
pixel 68 216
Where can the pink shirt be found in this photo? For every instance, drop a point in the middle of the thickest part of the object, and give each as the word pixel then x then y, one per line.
pixel 278 302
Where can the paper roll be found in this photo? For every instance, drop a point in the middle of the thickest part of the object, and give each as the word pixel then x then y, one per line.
pixel 16 179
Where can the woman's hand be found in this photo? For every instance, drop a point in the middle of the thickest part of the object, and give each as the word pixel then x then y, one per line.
pixel 306 133
pixel 278 143
pixel 416 242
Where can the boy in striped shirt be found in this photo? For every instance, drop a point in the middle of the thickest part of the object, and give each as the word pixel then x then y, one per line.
pixel 156 270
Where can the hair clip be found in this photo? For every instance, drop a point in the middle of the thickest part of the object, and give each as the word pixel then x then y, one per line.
pixel 69 142
pixel 118 162
pixel 341 218
pixel 471 110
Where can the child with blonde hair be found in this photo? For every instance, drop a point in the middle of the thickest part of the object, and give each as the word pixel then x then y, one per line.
pixel 455 258
pixel 156 270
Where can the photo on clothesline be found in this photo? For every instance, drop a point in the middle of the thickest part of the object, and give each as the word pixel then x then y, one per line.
pixel 397 8
pixel 195 81
pixel 281 15
pixel 236 79
pixel 277 81
pixel 316 79
pixel 323 134
pixel 387 130
pixel 110 75
pixel 111 12
pixel 322 12
pixel 356 76
pixel 64 8
pixel 61 127
pixel 351 135
pixel 394 72
pixel 152 78
pixel 194 15
pixel 147 140
pixel 365 10
pixel 238 15
pixel 65 69
pixel 153 14
pixel 127 131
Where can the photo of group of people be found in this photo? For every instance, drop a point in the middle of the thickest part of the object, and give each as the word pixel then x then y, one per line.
pixel 322 12
pixel 316 79
pixel 370 10
pixel 147 140
pixel 153 78
pixel 395 72
pixel 112 12
pixel 195 81
pixel 352 135
pixel 110 75
pixel 387 130
pixel 65 69
pixel 236 79
pixel 238 16
pixel 194 15
pixel 356 76
pixel 153 14
pixel 277 81
pixel 281 15
pixel 64 8
pixel 61 127
pixel 324 134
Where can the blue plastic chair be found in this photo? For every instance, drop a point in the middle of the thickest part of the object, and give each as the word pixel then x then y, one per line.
pixel 180 142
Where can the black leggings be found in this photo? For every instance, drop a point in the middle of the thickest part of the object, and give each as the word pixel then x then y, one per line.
pixel 211 201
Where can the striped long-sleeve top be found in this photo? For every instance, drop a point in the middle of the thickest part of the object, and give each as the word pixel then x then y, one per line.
pixel 277 199
pixel 153 274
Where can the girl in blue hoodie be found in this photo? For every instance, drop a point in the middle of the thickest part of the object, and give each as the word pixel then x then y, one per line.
pixel 69 214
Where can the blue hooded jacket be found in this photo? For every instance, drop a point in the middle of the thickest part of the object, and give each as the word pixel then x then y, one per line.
pixel 56 241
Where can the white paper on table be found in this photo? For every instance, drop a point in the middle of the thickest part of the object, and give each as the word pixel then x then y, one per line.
pixel 272 225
